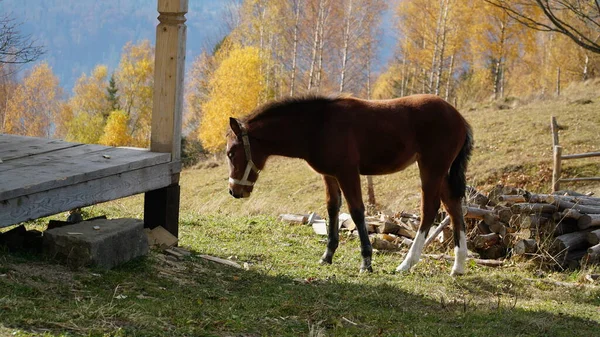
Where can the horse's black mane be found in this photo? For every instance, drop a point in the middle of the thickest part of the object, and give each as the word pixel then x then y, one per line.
pixel 281 106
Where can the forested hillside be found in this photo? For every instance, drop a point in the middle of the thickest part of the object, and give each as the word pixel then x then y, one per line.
pixel 259 50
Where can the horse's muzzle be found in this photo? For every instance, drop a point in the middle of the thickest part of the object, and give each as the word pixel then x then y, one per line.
pixel 239 194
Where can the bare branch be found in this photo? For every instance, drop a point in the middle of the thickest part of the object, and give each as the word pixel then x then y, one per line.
pixel 573 21
pixel 16 48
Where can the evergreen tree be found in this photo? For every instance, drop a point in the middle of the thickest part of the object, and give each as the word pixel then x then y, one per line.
pixel 112 96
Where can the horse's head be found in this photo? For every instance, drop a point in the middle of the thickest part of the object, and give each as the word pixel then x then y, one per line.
pixel 243 171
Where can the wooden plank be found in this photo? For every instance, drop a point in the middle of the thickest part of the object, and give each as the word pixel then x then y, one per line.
pixel 169 71
pixel 58 173
pixel 581 179
pixel 86 193
pixel 18 147
pixel 41 158
pixel 581 155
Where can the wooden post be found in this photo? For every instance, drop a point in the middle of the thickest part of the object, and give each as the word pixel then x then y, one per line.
pixel 556 171
pixel 161 207
pixel 557 151
pixel 554 128
pixel 371 190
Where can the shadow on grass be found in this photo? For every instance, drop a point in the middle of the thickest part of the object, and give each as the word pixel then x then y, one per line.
pixel 156 296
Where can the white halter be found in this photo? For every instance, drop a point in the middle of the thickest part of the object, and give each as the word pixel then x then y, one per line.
pixel 249 166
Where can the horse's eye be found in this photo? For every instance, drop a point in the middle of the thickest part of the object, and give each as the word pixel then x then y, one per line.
pixel 230 155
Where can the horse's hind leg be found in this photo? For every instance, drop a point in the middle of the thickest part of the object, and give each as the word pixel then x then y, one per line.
pixel 430 204
pixel 454 208
pixel 334 201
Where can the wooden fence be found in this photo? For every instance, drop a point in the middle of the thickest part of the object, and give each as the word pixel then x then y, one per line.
pixel 559 157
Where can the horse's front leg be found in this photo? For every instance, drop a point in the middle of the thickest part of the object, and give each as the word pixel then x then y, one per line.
pixel 334 201
pixel 350 185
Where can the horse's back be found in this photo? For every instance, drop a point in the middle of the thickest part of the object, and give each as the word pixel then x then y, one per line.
pixel 390 134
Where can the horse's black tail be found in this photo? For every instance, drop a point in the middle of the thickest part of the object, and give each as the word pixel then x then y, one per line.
pixel 457 176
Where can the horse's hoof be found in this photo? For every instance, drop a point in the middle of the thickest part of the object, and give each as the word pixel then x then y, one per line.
pixel 403 268
pixel 368 269
pixel 456 272
pixel 325 261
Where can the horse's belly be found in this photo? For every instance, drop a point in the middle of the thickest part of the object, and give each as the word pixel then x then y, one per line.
pixel 386 165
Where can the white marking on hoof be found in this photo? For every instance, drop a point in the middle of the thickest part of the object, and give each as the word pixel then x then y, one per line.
pixel 404 267
pixel 460 256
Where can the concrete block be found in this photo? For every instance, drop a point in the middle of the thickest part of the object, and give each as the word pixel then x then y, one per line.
pixel 102 243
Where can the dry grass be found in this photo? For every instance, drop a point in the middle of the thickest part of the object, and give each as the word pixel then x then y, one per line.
pixel 512 147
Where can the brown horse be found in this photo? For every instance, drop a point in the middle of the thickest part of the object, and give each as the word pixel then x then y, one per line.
pixel 342 138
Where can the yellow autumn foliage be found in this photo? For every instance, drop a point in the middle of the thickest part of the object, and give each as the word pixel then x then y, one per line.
pixel 116 131
pixel 135 79
pixel 90 107
pixel 236 88
pixel 35 106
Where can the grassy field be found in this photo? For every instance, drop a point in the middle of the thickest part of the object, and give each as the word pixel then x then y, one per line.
pixel 284 292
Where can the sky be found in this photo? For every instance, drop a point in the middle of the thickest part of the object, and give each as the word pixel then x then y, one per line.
pixel 80 34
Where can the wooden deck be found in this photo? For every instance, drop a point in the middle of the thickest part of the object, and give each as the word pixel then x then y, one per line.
pixel 41 177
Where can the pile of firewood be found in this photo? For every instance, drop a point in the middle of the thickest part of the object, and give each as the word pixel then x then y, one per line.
pixel 561 230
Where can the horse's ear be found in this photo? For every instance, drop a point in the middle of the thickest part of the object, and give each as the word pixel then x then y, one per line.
pixel 235 126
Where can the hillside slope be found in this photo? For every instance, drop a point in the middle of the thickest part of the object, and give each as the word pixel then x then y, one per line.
pixel 513 146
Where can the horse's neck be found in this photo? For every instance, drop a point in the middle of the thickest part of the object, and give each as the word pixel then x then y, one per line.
pixel 282 137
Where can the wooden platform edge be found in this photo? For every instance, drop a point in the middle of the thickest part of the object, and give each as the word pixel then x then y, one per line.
pixel 41 204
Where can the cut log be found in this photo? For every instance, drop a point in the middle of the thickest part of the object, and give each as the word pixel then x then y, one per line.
pixel 593 254
pixel 483 228
pixel 563 204
pixel 526 208
pixel 569 242
pixel 594 250
pixel 476 198
pixel 504 213
pixel 382 244
pixel 567 214
pixel 388 227
pixel 499 190
pixel 470 212
pixel 588 220
pixel 485 241
pixel 533 221
pixel 593 237
pixel 564 227
pixel 580 200
pixel 511 199
pixel 494 252
pixel 348 224
pixel 293 218
pixel 527 246
pixel 498 228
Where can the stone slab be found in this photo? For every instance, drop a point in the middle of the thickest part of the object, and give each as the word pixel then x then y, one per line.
pixel 102 243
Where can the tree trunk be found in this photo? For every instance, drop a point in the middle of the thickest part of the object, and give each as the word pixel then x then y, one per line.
pixel 346 38
pixel 295 47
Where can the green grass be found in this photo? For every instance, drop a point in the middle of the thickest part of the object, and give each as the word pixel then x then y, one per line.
pixel 285 292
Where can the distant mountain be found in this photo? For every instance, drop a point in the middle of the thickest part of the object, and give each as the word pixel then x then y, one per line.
pixel 79 34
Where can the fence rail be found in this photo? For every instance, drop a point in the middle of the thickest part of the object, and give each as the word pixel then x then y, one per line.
pixel 558 158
